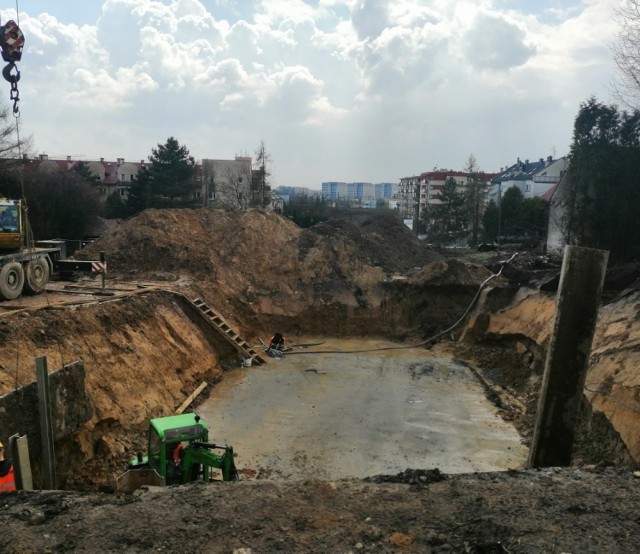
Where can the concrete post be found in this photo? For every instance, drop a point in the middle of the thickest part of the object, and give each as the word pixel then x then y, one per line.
pixel 567 360
pixel 46 424
pixel 21 463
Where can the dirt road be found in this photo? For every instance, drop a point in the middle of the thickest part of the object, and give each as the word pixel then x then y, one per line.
pixel 332 416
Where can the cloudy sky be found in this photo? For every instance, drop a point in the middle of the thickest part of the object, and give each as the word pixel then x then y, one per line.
pixel 338 90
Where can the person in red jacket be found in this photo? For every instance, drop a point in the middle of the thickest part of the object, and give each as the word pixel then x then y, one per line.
pixel 7 482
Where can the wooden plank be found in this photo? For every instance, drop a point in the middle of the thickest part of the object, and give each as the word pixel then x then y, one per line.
pixel 191 398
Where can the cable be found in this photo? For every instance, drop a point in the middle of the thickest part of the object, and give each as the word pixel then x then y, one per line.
pixel 427 341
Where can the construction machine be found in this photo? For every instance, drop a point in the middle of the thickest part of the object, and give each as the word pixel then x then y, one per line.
pixel 27 267
pixel 178 452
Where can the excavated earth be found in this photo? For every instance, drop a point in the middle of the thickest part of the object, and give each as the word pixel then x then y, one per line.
pixel 146 350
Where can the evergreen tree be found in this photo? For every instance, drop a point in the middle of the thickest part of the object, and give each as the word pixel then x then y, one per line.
pixel 167 183
pixel 172 170
pixel 511 212
pixel 446 222
pixel 602 182
pixel 490 223
pixel 115 206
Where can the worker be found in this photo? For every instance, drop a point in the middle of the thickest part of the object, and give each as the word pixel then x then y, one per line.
pixel 277 342
pixel 7 482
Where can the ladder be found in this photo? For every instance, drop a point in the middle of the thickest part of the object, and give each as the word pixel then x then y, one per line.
pixel 232 337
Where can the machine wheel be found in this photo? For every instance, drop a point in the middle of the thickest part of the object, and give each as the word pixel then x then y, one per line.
pixel 11 280
pixel 37 275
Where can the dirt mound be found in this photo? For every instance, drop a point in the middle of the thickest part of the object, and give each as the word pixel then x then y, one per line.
pixel 205 243
pixel 383 241
pixel 552 510
pixel 260 267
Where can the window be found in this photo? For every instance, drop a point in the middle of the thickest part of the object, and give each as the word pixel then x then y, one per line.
pixel 527 187
pixel 122 177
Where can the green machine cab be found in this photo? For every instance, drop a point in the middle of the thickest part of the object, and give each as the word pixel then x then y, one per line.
pixel 178 452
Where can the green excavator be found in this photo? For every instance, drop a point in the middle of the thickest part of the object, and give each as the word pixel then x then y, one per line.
pixel 178 452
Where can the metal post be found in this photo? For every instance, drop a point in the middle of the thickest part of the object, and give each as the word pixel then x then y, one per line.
pixel 561 394
pixel 416 213
pixel 103 261
pixel 499 211
pixel 46 424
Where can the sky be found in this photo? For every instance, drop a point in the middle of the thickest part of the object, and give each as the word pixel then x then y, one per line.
pixel 352 90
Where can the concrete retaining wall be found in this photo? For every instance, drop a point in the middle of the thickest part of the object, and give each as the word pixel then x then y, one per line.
pixel 70 407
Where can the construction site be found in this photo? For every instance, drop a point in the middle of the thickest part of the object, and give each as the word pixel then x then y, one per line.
pixel 400 419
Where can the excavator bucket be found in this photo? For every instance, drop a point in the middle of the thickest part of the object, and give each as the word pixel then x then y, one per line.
pixel 133 479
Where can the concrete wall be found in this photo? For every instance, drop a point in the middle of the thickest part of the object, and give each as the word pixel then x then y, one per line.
pixel 70 407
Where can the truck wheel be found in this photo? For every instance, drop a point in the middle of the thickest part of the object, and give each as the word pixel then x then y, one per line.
pixel 11 280
pixel 36 275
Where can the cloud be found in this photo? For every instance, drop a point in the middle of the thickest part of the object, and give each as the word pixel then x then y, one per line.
pixel 370 18
pixel 496 44
pixel 374 89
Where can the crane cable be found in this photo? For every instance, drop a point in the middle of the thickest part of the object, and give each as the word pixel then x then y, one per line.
pixel 12 43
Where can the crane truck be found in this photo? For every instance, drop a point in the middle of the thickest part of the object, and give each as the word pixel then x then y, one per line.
pixel 25 268
pixel 178 452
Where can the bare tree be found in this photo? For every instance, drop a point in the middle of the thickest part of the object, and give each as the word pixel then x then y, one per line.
pixel 233 188
pixel 262 174
pixel 476 193
pixel 626 54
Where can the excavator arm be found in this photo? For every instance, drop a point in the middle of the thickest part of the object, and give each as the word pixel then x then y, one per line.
pixel 198 459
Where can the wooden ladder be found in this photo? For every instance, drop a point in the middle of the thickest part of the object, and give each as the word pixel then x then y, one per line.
pixel 218 323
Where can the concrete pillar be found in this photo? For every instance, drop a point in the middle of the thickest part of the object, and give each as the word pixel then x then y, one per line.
pixel 567 360
pixel 21 462
pixel 46 423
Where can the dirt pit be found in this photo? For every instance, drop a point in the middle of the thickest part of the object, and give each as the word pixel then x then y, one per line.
pixel 357 408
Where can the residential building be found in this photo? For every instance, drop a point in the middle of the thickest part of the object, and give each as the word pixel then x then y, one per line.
pixel 426 188
pixel 358 192
pixel 532 178
pixel 111 176
pixel 408 195
pixel 227 183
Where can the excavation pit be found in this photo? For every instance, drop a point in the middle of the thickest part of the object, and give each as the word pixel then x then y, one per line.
pixel 317 413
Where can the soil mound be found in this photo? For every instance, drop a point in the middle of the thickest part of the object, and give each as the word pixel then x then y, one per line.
pixel 205 242
pixel 264 268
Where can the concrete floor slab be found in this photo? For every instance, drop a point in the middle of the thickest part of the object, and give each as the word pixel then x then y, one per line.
pixel 335 415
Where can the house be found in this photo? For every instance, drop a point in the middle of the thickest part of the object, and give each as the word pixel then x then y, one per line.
pixel 533 179
pixel 227 183
pixel 111 176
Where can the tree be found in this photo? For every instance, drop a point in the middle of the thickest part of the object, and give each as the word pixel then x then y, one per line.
pixel 511 212
pixel 168 182
pixel 10 146
pixel 476 193
pixel 306 211
pixel 626 54
pixel 61 204
pixel 172 170
pixel 10 159
pixel 260 181
pixel 234 188
pixel 141 195
pixel 82 170
pixel 115 207
pixel 490 223
pixel 602 194
pixel 446 222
